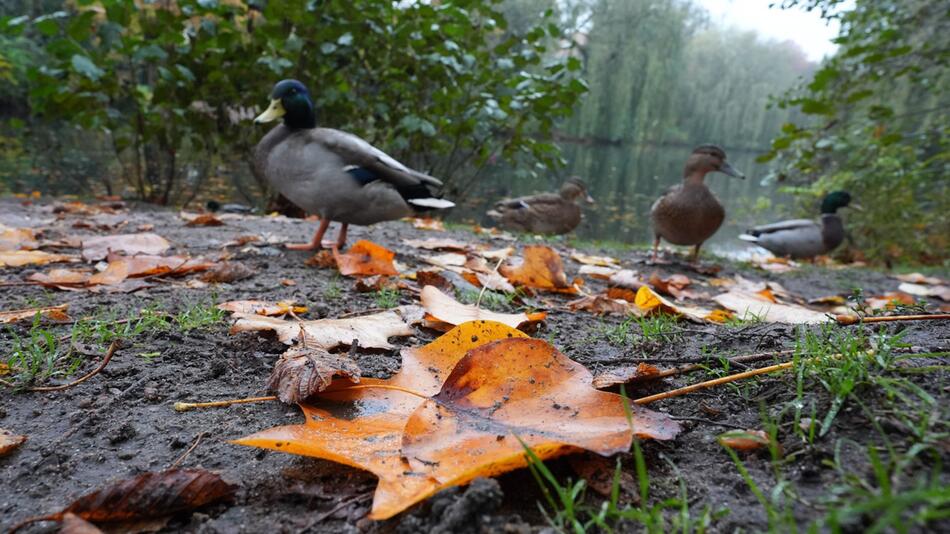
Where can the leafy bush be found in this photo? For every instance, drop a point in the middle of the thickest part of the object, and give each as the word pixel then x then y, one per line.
pixel 169 85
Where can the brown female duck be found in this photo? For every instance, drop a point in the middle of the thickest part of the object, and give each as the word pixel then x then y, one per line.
pixel 545 213
pixel 689 213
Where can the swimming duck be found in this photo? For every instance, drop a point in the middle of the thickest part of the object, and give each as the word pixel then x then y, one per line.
pixel 335 174
pixel 689 213
pixel 804 238
pixel 546 213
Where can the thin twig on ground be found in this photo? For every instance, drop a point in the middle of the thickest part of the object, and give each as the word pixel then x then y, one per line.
pixel 113 347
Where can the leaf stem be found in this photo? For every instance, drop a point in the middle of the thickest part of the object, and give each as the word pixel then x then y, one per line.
pixel 185 406
pixel 846 320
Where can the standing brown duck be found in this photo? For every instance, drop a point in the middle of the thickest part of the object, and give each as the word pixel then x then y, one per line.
pixel 689 213
pixel 545 213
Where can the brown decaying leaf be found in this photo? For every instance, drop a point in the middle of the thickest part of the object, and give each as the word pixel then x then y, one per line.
pixel 433 278
pixel 150 495
pixel 97 248
pixel 490 280
pixel 445 309
pixel 322 260
pixel 303 371
pixel 744 440
pixel 9 441
pixel 889 300
pixel 374 283
pixel 227 272
pixel 56 313
pixel 205 219
pixel 372 331
pixel 365 258
pixel 748 303
pixel 61 278
pixel 541 269
pixel 17 238
pixel 19 258
pixel 623 375
pixel 261 307
pixel 675 285
pixel 603 304
pixel 364 428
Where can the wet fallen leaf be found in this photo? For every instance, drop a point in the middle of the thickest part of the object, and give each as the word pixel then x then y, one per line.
pixel 121 267
pixel 889 301
pixel 433 278
pixel 603 304
pixel 747 305
pixel 622 293
pixel 515 391
pixel 594 271
pixel 371 331
pixel 599 261
pixel 434 243
pixel 19 258
pixel 67 279
pixel 675 285
pixel 260 307
pixel 491 280
pixel 365 258
pixel 445 309
pixel 622 375
pixel 744 440
pixel 56 313
pixel 371 284
pixel 97 248
pixel 226 272
pixel 321 260
pixel 830 300
pixel 428 223
pixel 287 282
pixel 941 292
pixel 204 219
pixel 304 371
pixel 338 426
pixel 541 269
pixel 150 496
pixel 17 238
pixel 242 240
pixel 9 441
pixel 650 302
pixel 918 278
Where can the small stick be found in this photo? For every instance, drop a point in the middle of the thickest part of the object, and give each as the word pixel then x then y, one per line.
pixel 105 361
pixel 846 320
pixel 185 406
pixel 749 358
pixel 711 383
pixel 482 292
pixel 185 455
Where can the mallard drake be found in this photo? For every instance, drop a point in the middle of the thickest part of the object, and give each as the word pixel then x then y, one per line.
pixel 335 174
pixel 545 213
pixel 804 238
pixel 689 213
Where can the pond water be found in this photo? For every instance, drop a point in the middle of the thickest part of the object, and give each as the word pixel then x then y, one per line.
pixel 625 181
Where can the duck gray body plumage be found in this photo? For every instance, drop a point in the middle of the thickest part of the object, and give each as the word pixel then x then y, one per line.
pixel 689 213
pixel 804 238
pixel 335 174
pixel 544 213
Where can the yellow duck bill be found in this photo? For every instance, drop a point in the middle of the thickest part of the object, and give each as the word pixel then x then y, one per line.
pixel 272 113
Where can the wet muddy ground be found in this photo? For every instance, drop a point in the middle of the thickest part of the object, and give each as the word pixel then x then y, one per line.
pixel 121 422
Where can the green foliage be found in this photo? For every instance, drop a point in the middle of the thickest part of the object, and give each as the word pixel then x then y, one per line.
pixel 878 116
pixel 386 298
pixel 445 86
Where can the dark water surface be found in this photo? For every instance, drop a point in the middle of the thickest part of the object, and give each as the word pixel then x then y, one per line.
pixel 625 181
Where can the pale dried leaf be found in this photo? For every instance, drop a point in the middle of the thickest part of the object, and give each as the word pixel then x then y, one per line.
pixel 9 441
pixel 371 331
pixel 448 310
pixel 747 304
pixel 97 248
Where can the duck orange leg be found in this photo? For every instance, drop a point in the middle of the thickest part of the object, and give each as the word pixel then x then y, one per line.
pixel 695 257
pixel 341 236
pixel 316 242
